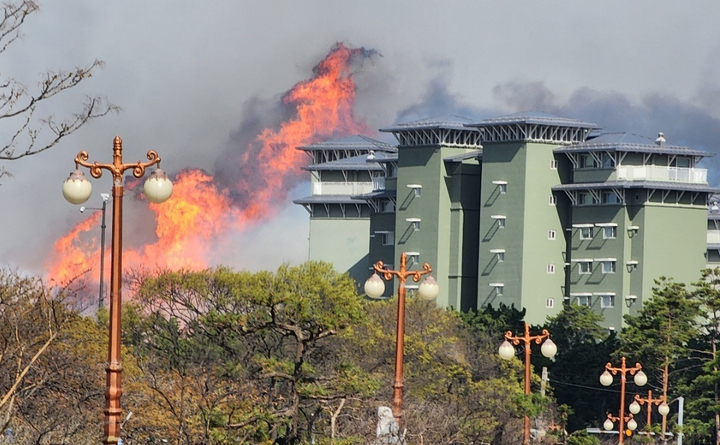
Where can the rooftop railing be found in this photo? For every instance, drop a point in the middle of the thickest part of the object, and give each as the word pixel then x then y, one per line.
pixel 662 173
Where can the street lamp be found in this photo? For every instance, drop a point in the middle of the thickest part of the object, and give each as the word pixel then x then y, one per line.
pixel 663 407
pixel 77 190
pixel 507 352
pixel 428 290
pixel 606 379
pixel 105 197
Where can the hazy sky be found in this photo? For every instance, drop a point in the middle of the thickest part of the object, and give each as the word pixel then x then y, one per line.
pixel 183 73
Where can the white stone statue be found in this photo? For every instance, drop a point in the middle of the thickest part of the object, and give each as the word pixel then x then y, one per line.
pixel 388 431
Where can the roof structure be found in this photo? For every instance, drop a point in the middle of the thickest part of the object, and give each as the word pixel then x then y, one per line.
pixel 378 194
pixel 629 142
pixel 660 185
pixel 474 154
pixel 361 163
pixel 448 122
pixel 356 142
pixel 536 118
pixel 326 199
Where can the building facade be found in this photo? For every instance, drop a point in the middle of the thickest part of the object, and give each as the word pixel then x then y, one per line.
pixel 530 210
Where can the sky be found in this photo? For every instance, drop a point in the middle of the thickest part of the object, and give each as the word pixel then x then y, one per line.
pixel 187 73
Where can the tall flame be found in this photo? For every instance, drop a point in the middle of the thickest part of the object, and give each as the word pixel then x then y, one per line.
pixel 200 212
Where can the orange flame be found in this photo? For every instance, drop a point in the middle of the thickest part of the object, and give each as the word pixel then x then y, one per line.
pixel 199 213
pixel 78 254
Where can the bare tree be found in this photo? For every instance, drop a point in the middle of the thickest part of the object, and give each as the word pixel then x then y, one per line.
pixel 28 131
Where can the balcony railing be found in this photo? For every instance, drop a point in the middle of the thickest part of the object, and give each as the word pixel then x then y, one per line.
pixel 713 237
pixel 662 173
pixel 379 183
pixel 342 188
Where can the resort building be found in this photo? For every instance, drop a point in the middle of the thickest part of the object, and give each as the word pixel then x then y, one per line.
pixel 530 209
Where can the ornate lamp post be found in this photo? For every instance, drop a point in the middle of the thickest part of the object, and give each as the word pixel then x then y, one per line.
pixel 663 407
pixel 77 189
pixel 606 379
pixel 507 352
pixel 428 290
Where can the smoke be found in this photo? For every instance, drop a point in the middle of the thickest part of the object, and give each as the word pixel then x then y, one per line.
pixel 683 122
pixel 255 173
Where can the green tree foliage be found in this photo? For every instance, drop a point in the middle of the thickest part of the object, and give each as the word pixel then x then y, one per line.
pixel 584 347
pixel 659 335
pixel 698 382
pixel 248 355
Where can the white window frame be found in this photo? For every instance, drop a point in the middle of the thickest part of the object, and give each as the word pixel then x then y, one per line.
pixel 499 288
pixel 552 234
pixel 582 265
pixel 584 300
pixel 549 303
pixel 554 164
pixel 586 233
pixel 609 266
pixel 501 223
pixel 413 258
pixel 501 257
pixel 609 232
pixel 607 301
pixel 552 200
pixel 550 268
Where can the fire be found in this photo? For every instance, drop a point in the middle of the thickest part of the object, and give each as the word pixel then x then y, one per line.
pixel 201 213
pixel 78 255
pixel 324 108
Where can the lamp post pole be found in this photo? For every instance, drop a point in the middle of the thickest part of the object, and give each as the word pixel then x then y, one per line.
pixel 507 351
pixel 105 197
pixel 650 401
pixel 76 191
pixel 428 290
pixel 606 379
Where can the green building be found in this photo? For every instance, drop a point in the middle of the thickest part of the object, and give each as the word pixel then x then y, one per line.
pixel 530 209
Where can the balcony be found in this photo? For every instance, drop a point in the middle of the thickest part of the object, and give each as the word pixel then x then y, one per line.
pixel 379 183
pixel 713 237
pixel 342 188
pixel 662 173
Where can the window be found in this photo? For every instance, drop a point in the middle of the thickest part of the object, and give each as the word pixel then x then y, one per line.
pixel 610 198
pixel 607 301
pixel 387 206
pixel 498 288
pixel 414 222
pixel 388 238
pixel 553 165
pixel 551 268
pixel 413 258
pixel 584 300
pixel 586 233
pixel 588 161
pixel 608 161
pixel 503 188
pixel 608 266
pixel 550 303
pixel 552 235
pixel 501 223
pixel 610 232
pixel 585 199
pixel 392 170
pixel 553 200
pixel 501 257
pixel 585 267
